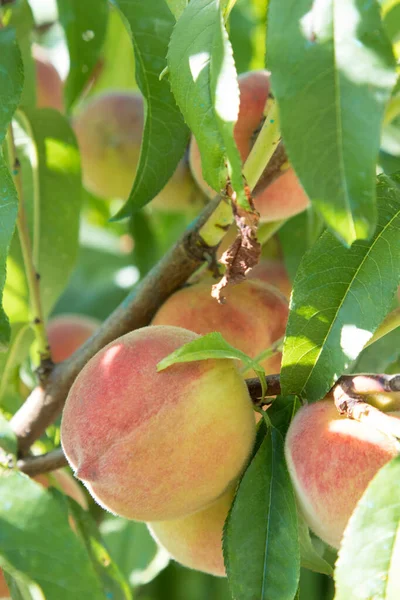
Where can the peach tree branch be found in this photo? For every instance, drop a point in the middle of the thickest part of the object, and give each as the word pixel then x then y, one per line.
pixel 353 406
pixel 197 245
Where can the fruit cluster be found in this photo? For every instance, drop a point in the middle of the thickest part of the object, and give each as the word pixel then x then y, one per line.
pixel 169 447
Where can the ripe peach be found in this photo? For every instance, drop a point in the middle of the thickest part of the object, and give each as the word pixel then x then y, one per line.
pixel 196 540
pixel 109 130
pixel 148 444
pixel 70 487
pixel 274 273
pixel 49 86
pixel 252 319
pixel 285 197
pixel 331 460
pixel 66 333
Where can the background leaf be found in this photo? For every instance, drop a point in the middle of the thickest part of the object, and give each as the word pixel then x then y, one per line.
pixel 331 83
pixel 133 549
pixel 260 536
pixel 8 440
pixel 85 25
pixel 165 135
pixel 11 84
pixel 203 78
pixel 52 195
pixel 21 17
pixel 368 559
pixel 36 533
pixel 339 298
pixel 113 583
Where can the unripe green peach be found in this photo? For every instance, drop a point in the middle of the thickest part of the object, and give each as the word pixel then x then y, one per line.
pixel 148 444
pixel 67 332
pixel 253 317
pixel 49 86
pixel 285 197
pixel 196 540
pixel 331 460
pixel 109 130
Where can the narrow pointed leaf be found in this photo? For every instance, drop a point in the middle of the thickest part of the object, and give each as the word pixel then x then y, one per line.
pixel 85 25
pixel 208 346
pixel 368 559
pixel 165 134
pixel 11 84
pixel 20 342
pixel 203 79
pixel 52 195
pixel 113 582
pixel 35 533
pixel 340 296
pixel 261 545
pixel 332 83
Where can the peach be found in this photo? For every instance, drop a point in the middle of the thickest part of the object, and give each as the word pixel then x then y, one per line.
pixel 70 487
pixel 195 541
pixel 109 129
pixel 253 317
pixel 49 86
pixel 274 273
pixel 284 197
pixel 148 444
pixel 67 332
pixel 331 460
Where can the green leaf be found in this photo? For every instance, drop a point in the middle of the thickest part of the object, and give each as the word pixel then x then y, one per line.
pixel 37 541
pixel 339 298
pixel 332 83
pixel 391 20
pixel 20 342
pixel 297 236
pixel 21 17
pixel 177 7
pixel 368 559
pixel 85 25
pixel 165 134
pixel 310 558
pixel 133 549
pixel 282 411
pixel 211 345
pixel 145 250
pixel 203 78
pixel 247 34
pixel 116 66
pixel 113 583
pixel 378 357
pixel 52 195
pixel 11 84
pixel 8 440
pixel 261 545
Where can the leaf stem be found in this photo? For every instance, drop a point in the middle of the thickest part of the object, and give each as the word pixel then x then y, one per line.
pixel 264 146
pixel 32 275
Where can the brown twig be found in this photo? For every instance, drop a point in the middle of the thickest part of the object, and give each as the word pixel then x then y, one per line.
pixel 353 406
pixel 35 465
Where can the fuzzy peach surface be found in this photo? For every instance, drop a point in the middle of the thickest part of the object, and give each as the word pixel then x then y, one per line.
pixel 156 445
pixel 331 460
pixel 253 317
pixel 67 332
pixel 285 197
pixel 196 540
